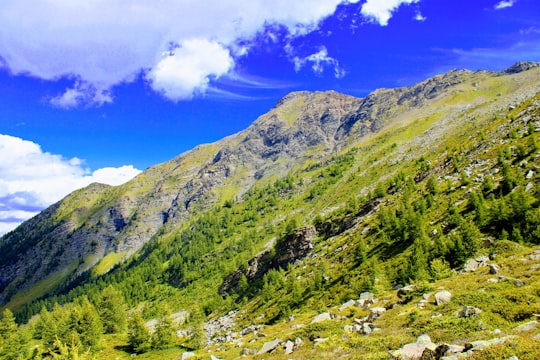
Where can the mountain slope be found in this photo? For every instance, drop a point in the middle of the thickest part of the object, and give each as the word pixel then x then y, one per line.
pixel 329 149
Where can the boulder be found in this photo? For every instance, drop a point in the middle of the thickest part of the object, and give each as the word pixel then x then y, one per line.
pixel 187 355
pixel 469 311
pixel 289 347
pixel 322 317
pixel 269 346
pixel 493 269
pixel 415 350
pixel 366 298
pixel 442 297
pixel 374 313
pixel 529 326
pixel 347 305
pixel 470 266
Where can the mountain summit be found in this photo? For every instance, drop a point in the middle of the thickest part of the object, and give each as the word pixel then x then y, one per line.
pixel 390 176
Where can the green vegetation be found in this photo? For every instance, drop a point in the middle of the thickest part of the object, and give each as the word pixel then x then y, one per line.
pixel 387 213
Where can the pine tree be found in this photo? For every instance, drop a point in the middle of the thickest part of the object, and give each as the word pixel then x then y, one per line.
pixel 13 341
pixel 138 334
pixel 112 311
pixel 85 322
pixel 164 334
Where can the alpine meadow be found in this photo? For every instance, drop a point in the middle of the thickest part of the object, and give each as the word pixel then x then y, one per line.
pixel 403 225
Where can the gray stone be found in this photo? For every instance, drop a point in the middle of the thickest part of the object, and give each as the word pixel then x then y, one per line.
pixel 493 269
pixel 469 311
pixel 289 347
pixel 442 297
pixel 322 317
pixel 214 357
pixel 374 313
pixel 187 355
pixel 470 266
pixel 269 346
pixel 534 257
pixel 347 305
pixel 415 350
pixel 529 326
pixel 367 298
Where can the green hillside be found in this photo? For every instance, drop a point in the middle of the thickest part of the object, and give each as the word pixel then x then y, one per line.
pixel 316 233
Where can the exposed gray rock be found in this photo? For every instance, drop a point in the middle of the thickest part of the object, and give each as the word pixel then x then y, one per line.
pixel 269 346
pixel 321 317
pixel 529 326
pixel 374 313
pixel 470 266
pixel 289 347
pixel 187 355
pixel 415 350
pixel 347 305
pixel 442 297
pixel 493 269
pixel 469 311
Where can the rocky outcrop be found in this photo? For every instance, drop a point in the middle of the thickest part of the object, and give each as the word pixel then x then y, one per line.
pixel 293 247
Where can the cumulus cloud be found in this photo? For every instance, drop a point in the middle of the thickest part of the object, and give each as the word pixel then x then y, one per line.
pixel 188 68
pixel 504 4
pixel 103 43
pixel 31 179
pixel 381 11
pixel 319 61
pixel 82 93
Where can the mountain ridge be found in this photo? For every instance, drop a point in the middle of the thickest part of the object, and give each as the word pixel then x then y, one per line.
pixel 97 221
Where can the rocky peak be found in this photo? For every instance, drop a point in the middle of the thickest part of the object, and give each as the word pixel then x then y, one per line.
pixel 521 66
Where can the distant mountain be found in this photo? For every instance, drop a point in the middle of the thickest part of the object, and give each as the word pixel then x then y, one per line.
pixel 320 163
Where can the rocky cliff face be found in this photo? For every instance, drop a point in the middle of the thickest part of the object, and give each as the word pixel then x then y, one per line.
pixel 73 235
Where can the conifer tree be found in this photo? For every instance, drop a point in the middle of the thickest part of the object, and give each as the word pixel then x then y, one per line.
pixel 138 334
pixel 85 322
pixel 164 334
pixel 112 311
pixel 13 341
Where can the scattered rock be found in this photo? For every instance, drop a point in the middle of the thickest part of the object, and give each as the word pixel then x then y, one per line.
pixel 347 305
pixel 187 355
pixel 289 347
pixel 519 283
pixel 470 266
pixel 366 298
pixel 492 280
pixel 414 350
pixel 534 257
pixel 247 352
pixel 442 297
pixel 214 357
pixel 269 346
pixel 320 340
pixel 469 311
pixel 493 269
pixel 322 317
pixel 374 313
pixel 529 326
pixel 482 344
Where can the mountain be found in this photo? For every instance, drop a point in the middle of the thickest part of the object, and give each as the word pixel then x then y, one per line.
pixel 347 193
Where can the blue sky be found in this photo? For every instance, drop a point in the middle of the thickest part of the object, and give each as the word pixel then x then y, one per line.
pixel 100 90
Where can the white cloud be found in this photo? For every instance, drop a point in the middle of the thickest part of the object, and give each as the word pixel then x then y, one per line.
pixel 381 11
pixel 102 43
pixel 31 179
pixel 504 4
pixel 419 17
pixel 319 61
pixel 188 68
pixel 82 93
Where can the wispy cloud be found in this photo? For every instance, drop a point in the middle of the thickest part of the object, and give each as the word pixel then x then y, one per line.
pixel 504 4
pixel 104 43
pixel 494 58
pixel 319 61
pixel 380 11
pixel 31 179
